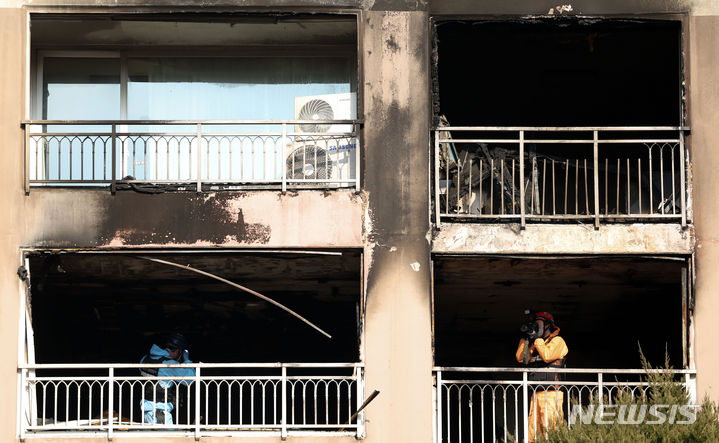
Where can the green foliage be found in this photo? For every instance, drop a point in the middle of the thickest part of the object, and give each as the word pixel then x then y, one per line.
pixel 663 390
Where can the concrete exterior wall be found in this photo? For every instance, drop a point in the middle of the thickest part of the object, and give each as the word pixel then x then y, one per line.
pixel 94 218
pixel 12 50
pixel 389 219
pixel 704 114
pixel 637 238
pixel 398 346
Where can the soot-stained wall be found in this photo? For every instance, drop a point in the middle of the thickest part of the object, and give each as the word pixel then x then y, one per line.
pixel 73 218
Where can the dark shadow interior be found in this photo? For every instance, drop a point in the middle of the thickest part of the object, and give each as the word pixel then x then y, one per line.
pixel 559 72
pixel 112 307
pixel 605 307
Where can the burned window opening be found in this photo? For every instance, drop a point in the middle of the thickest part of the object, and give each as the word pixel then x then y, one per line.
pixel 559 72
pixel 604 306
pixel 111 307
pixel 555 74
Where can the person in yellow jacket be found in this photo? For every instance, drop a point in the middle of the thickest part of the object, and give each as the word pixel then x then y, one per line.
pixel 547 350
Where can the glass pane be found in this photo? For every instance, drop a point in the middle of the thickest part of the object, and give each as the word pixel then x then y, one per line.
pixel 81 88
pixel 229 88
pixel 77 88
pixel 243 88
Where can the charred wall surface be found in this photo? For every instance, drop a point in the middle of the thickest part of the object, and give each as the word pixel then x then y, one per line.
pixel 86 218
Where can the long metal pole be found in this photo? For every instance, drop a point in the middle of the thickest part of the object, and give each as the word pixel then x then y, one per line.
pixel 283 432
pixel 199 157
pixel 439 406
pixel 521 180
pixel 110 403
pixel 26 130
pixel 682 178
pixel 364 404
pixel 283 169
pixel 525 407
pixel 358 146
pixel 596 179
pixel 255 293
pixel 436 179
pixel 113 184
pixel 197 403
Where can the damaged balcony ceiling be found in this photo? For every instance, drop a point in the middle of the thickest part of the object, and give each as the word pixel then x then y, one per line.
pixel 479 303
pixel 114 298
pixel 83 31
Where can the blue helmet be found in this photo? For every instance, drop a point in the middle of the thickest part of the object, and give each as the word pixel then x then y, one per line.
pixel 175 340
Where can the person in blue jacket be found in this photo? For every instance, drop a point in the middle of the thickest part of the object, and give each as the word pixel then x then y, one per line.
pixel 160 395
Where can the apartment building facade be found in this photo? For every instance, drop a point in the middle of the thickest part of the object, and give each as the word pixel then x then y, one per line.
pixel 407 176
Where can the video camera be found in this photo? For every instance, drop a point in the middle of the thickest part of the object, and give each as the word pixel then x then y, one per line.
pixel 530 328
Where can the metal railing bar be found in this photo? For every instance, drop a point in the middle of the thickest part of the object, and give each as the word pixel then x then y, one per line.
pixel 566 217
pixel 184 365
pixel 562 128
pixel 190 122
pixel 558 370
pixel 500 141
pixel 545 383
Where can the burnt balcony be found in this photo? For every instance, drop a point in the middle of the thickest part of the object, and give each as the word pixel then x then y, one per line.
pixel 560 174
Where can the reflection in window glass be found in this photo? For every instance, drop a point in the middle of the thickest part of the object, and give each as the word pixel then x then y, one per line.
pixel 77 89
pixel 81 88
pixel 193 88
pixel 229 88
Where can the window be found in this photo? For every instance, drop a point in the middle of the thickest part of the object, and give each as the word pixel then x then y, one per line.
pixel 559 119
pixel 148 75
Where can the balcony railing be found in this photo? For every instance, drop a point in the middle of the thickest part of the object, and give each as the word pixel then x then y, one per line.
pixel 545 174
pixel 263 399
pixel 218 154
pixel 495 404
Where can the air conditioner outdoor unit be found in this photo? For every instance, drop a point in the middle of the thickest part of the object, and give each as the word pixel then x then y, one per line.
pixel 317 153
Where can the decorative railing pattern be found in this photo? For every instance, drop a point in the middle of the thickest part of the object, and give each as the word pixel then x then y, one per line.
pixel 542 174
pixel 494 404
pixel 219 154
pixel 282 399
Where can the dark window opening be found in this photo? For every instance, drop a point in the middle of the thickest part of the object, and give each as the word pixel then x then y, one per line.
pixel 605 308
pixel 109 308
pixel 567 72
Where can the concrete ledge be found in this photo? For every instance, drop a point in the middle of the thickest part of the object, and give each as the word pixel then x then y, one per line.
pixel 637 238
pixel 77 218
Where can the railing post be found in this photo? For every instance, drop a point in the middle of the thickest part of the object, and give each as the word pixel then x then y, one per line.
pixel 197 403
pixel 600 388
pixel 596 179
pixel 24 393
pixel 113 184
pixel 283 432
pixel 523 223
pixel 525 407
pixel 358 146
pixel 199 157
pixel 436 179
pixel 284 158
pixel 26 130
pixel 682 177
pixel 691 387
pixel 110 402
pixel 360 399
pixel 439 406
